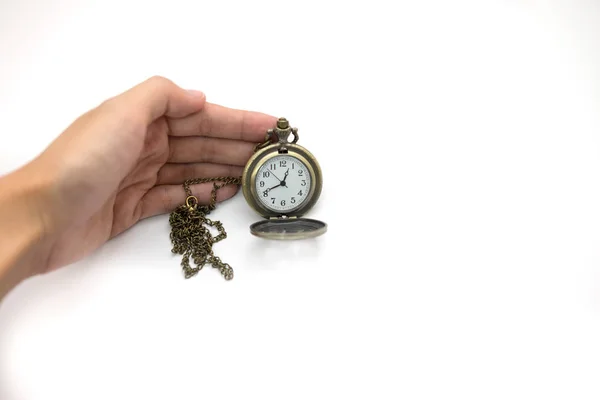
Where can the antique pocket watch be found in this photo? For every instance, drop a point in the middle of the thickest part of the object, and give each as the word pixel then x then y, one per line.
pixel 282 181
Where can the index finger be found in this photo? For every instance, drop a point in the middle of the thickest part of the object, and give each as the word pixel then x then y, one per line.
pixel 222 122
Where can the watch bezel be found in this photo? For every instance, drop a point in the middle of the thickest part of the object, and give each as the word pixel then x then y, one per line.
pixel 263 156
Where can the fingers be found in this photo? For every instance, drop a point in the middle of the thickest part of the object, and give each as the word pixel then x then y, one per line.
pixel 165 198
pixel 159 96
pixel 222 122
pixel 208 150
pixel 176 174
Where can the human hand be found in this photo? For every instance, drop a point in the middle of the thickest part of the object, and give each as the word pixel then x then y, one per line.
pixel 126 160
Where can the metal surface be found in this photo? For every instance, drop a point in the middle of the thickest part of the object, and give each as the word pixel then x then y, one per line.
pixel 288 229
pixel 267 150
pixel 190 235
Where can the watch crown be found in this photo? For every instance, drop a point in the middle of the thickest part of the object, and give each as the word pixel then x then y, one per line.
pixel 282 123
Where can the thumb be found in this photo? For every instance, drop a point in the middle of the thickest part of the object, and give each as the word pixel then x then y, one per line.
pixel 158 96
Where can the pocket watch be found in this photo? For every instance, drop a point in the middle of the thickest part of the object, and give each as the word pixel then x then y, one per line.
pixel 282 181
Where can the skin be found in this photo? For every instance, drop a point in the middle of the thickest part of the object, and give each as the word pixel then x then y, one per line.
pixel 121 162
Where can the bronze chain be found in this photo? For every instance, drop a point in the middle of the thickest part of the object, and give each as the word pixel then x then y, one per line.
pixel 190 234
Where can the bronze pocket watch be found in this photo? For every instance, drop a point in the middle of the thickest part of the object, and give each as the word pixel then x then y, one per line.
pixel 282 181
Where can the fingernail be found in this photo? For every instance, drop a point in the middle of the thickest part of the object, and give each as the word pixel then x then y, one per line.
pixel 196 93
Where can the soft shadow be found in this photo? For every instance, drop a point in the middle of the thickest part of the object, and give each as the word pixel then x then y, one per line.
pixel 265 255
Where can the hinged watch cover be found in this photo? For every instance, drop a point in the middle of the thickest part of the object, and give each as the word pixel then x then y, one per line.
pixel 288 228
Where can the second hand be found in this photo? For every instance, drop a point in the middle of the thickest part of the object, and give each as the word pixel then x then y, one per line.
pixel 275 176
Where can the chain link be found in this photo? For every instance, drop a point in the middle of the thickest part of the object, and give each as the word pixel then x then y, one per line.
pixel 267 142
pixel 190 234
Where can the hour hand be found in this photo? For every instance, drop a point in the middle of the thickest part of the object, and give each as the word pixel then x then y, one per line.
pixel 284 178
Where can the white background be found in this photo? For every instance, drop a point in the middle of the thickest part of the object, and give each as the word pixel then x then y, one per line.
pixel 459 142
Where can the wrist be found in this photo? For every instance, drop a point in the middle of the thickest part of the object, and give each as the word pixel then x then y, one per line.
pixel 26 230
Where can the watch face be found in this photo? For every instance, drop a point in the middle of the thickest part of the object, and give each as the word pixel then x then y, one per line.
pixel 283 183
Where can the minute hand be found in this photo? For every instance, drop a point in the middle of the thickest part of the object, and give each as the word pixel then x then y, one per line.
pixel 269 189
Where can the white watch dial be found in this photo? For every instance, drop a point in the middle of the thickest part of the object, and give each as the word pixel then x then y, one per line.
pixel 283 183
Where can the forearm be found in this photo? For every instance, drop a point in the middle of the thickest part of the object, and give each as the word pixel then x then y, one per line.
pixel 24 236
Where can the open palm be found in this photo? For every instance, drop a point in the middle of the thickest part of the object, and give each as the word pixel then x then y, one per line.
pixel 127 159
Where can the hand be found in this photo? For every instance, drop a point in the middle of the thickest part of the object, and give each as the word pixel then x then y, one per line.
pixel 127 159
pixel 285 177
pixel 271 172
pixel 269 189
